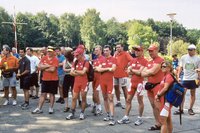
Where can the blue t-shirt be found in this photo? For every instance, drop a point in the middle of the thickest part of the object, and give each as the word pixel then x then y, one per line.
pixel 16 55
pixel 175 63
pixel 61 58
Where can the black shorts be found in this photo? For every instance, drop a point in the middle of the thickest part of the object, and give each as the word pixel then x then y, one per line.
pixel 189 84
pixel 49 87
pixel 34 80
pixel 67 85
pixel 25 82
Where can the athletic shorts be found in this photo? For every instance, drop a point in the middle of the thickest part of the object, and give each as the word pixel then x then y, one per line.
pixel 122 82
pixel 10 82
pixel 34 80
pixel 25 82
pixel 107 87
pixel 80 87
pixel 49 87
pixel 189 84
pixel 61 79
pixel 96 82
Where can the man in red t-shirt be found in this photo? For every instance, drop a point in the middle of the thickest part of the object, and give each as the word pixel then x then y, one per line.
pixel 96 83
pixel 79 71
pixel 135 68
pixel 48 65
pixel 107 67
pixel 120 80
pixel 154 74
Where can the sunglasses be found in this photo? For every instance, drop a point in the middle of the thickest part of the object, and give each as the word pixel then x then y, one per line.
pixel 191 49
pixel 163 66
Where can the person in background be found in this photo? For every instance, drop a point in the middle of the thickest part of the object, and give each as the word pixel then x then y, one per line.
pixel 165 107
pixel 68 79
pixel 14 52
pixel 154 76
pixel 24 76
pixel 175 64
pixel 49 66
pixel 188 64
pixel 9 65
pixel 61 74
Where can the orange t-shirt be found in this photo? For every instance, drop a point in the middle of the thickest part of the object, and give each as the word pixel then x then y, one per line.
pixel 159 75
pixel 50 76
pixel 107 63
pixel 12 62
pixel 136 64
pixel 123 58
pixel 79 66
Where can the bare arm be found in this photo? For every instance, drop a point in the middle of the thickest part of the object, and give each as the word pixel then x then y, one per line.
pixel 150 72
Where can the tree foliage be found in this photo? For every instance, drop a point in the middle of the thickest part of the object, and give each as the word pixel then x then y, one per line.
pixel 179 47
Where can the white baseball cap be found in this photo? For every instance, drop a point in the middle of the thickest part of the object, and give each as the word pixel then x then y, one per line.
pixel 191 46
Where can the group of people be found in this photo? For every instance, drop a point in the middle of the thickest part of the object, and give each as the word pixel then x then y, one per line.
pixel 67 70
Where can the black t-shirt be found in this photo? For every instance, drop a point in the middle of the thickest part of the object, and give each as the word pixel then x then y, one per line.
pixel 24 64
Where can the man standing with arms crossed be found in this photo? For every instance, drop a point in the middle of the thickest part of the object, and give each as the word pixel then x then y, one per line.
pixel 120 75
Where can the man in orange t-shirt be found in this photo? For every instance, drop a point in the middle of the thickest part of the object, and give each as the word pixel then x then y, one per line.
pixel 49 66
pixel 154 74
pixel 120 75
pixel 9 65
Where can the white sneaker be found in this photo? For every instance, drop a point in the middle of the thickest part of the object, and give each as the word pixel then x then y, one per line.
pixel 124 120
pixel 37 111
pixel 82 116
pixel 14 102
pixel 51 111
pixel 6 103
pixel 139 121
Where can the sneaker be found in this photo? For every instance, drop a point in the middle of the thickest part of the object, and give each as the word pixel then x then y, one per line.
pixel 118 105
pixel 107 118
pixel 6 103
pixel 30 95
pixel 37 111
pixel 70 116
pixel 178 112
pixel 191 112
pixel 14 102
pixel 51 111
pixel 99 112
pixel 22 105
pixel 139 121
pixel 59 100
pixel 25 106
pixel 112 122
pixel 124 120
pixel 35 97
pixel 62 101
pixel 67 109
pixel 82 116
pixel 94 109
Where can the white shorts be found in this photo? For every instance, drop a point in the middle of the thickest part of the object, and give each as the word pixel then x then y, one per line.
pixel 122 82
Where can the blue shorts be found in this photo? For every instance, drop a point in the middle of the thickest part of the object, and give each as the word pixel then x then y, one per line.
pixel 189 84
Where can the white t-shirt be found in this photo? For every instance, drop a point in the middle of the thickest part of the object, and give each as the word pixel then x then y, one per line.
pixel 34 61
pixel 189 64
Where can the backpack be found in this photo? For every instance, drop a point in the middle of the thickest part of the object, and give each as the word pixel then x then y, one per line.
pixel 90 72
pixel 175 94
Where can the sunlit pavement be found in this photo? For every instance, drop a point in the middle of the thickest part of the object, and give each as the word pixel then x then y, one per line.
pixel 14 119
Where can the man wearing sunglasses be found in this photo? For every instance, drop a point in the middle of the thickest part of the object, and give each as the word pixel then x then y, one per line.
pixel 189 63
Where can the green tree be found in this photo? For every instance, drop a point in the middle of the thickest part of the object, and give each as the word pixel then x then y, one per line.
pixel 141 34
pixel 92 29
pixel 70 29
pixel 179 47
pixel 193 36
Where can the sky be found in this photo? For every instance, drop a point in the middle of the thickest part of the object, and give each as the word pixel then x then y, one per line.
pixel 187 11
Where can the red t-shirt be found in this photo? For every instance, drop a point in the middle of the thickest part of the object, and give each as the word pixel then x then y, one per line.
pixel 107 63
pixel 49 76
pixel 136 64
pixel 79 66
pixel 166 79
pixel 96 63
pixel 159 75
pixel 123 58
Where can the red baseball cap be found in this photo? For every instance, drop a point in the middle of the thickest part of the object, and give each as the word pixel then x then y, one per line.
pixel 78 51
pixel 153 47
pixel 140 48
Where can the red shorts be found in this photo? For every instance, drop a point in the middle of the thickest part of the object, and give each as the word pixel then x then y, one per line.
pixel 132 89
pixel 80 87
pixel 107 87
pixel 96 82
pixel 152 93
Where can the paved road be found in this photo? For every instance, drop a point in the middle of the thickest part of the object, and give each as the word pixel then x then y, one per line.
pixel 13 119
